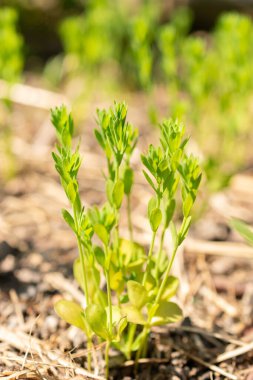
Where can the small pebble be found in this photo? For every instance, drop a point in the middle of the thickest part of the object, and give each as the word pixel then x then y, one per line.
pixel 51 323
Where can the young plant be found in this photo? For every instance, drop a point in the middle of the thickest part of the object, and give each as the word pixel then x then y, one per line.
pixel 11 65
pixel 11 45
pixel 139 285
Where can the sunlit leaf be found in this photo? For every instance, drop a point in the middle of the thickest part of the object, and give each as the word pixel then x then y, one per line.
pixel 155 219
pixel 137 294
pixel 97 319
pixel 133 314
pixel 167 312
pixel 71 312
pixel 102 233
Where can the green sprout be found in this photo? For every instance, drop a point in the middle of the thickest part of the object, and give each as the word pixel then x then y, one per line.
pixel 139 284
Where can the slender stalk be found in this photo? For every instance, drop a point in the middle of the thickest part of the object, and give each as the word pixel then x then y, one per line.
pixel 116 172
pixel 159 256
pixel 85 284
pixel 129 218
pixel 85 281
pixel 130 337
pixel 149 258
pixel 82 257
pixel 116 232
pixel 142 349
pixel 142 344
pixel 163 284
pixel 116 228
pixel 108 285
pixel 109 298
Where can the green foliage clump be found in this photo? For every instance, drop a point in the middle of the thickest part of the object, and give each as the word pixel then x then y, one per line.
pixel 139 285
pixel 11 45
pixel 214 76
pixel 108 34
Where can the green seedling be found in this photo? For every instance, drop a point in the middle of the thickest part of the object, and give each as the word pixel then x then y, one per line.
pixel 214 98
pixel 11 65
pixel 11 45
pixel 139 284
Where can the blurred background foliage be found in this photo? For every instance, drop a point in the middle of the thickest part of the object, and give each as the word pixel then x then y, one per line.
pixel 201 65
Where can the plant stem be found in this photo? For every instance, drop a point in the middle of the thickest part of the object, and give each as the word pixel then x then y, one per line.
pixel 159 257
pixel 142 344
pixel 108 286
pixel 129 218
pixel 109 298
pixel 142 349
pixel 149 258
pixel 163 284
pixel 131 332
pixel 85 284
pixel 117 237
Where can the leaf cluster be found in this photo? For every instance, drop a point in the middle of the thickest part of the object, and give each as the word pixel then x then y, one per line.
pixel 139 285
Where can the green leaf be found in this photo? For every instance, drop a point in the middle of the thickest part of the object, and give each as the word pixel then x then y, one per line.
pixel 128 180
pixel 187 205
pixel 100 255
pixel 169 212
pixel 122 325
pixel 184 229
pixel 92 274
pixel 99 297
pixel 149 180
pixel 151 206
pixel 116 280
pixel 102 233
pixel 136 344
pixel 97 319
pixel 137 294
pixel 116 314
pixel 99 138
pixel 171 288
pixel 132 253
pixel 243 229
pixel 167 312
pixel 133 314
pixel 69 219
pixel 71 312
pixel 118 193
pixel 174 234
pixel 150 282
pixel 72 191
pixel 77 271
pixel 109 191
pixel 155 219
